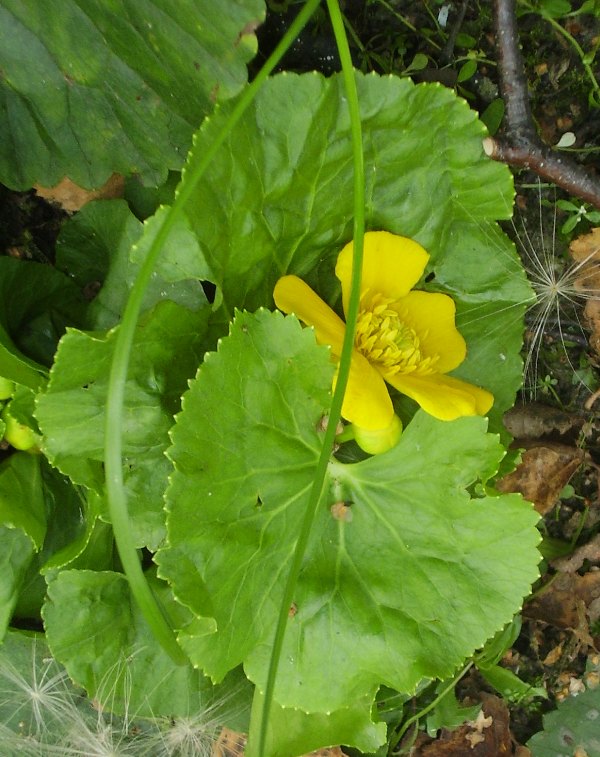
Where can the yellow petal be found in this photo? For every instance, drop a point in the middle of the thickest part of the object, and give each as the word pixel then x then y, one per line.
pixel 431 315
pixel 392 265
pixel 444 397
pixel 367 401
pixel 292 295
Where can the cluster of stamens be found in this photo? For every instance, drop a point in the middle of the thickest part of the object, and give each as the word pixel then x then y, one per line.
pixel 383 337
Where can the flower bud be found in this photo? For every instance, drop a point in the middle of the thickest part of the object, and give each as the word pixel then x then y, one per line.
pixel 18 435
pixel 7 388
pixel 380 440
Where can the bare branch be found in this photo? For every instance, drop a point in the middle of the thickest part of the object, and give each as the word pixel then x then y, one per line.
pixel 522 146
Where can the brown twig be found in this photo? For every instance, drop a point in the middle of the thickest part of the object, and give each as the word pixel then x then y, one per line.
pixel 522 146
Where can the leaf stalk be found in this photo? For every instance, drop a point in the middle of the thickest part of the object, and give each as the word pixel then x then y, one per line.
pixel 154 614
pixel 262 705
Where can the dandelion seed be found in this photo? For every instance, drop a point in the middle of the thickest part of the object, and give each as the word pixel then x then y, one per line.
pixel 553 307
pixel 38 702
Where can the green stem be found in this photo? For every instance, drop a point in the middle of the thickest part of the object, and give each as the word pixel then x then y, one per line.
pixel 407 723
pixel 117 501
pixel 262 705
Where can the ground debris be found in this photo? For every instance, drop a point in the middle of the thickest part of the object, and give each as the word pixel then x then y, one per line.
pixel 546 468
pixel 487 736
pixel 538 421
pixel 585 251
pixel 71 197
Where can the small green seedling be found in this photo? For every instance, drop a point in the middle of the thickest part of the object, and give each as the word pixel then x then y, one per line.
pixel 576 214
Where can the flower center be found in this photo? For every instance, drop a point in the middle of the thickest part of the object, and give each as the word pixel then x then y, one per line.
pixel 383 338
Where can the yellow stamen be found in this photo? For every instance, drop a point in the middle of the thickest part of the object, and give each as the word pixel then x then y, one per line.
pixel 383 338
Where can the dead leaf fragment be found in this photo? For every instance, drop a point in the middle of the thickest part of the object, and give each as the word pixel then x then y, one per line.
pixel 543 473
pixel 591 313
pixel 553 655
pixel 229 744
pixel 572 563
pixel 536 421
pixel 585 250
pixel 71 197
pixel 566 602
pixel 488 736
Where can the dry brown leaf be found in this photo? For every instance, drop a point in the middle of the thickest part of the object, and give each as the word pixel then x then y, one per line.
pixel 537 421
pixel 585 250
pixel 572 563
pixel 553 655
pixel 231 744
pixel 522 751
pixel 591 314
pixel 488 736
pixel 564 603
pixel 543 473
pixel 71 197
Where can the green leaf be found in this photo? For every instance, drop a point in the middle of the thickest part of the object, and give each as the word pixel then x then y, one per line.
pixel 166 351
pixel 114 87
pixel 568 206
pixel 94 628
pixel 495 648
pixel 589 6
pixel 510 686
pixel 21 496
pixel 467 70
pixel 37 696
pixel 575 724
pixel 555 8
pixel 465 40
pixel 16 552
pixel 418 63
pixel 492 116
pixel 570 224
pixel 278 199
pixel 293 732
pixel 94 249
pixel 407 588
pixel 37 302
pixel 448 713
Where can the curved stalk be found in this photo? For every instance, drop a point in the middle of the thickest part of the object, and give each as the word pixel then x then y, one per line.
pixel 397 737
pixel 262 704
pixel 151 609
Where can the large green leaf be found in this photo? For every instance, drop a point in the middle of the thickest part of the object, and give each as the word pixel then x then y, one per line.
pixel 295 732
pixel 21 496
pixel 94 249
pixel 16 553
pixel 166 351
pixel 95 629
pixel 22 527
pixel 116 86
pixel 403 585
pixel 572 729
pixel 278 198
pixel 37 302
pixel 38 700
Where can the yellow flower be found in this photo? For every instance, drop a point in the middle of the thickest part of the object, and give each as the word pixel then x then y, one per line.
pixel 404 337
